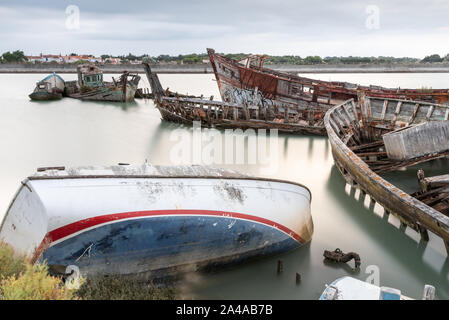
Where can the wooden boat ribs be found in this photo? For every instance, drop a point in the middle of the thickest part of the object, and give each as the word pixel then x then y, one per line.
pixel 288 118
pixel 355 133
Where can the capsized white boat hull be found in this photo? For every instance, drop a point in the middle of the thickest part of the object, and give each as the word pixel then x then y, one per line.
pixel 134 219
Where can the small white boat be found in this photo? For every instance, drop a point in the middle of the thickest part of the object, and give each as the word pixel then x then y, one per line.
pixel 127 219
pixel 348 288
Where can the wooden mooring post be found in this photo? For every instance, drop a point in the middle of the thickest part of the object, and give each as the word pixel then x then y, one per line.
pixel 280 266
pixel 298 278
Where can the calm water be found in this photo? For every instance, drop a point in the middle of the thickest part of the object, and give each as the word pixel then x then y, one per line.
pixel 71 132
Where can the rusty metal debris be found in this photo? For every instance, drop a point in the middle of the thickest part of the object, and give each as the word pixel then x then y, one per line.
pixel 355 133
pixel 339 256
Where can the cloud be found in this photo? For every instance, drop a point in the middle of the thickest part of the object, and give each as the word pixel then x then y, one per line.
pixel 303 28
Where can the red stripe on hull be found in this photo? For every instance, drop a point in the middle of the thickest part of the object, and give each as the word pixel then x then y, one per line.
pixel 80 225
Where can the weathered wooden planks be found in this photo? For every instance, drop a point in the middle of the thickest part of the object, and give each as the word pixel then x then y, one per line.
pixel 377 118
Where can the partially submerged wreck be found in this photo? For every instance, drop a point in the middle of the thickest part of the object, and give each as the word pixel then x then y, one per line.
pixel 250 82
pixel 127 219
pixel 239 79
pixel 49 88
pixel 90 85
pixel 363 135
pixel 255 114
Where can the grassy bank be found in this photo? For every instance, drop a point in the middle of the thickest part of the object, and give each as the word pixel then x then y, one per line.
pixel 22 280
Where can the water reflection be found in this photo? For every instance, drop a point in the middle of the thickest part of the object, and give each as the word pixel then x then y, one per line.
pixel 394 242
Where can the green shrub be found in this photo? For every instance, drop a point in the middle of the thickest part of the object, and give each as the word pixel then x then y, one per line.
pixel 22 280
pixel 122 288
pixel 34 284
pixel 10 263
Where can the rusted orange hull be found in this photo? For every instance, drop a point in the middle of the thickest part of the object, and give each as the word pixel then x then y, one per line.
pixel 250 80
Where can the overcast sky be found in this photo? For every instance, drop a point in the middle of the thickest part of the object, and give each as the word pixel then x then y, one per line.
pixel 277 27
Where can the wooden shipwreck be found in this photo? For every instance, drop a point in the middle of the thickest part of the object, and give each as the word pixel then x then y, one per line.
pixel 356 133
pixel 49 88
pixel 253 114
pixel 248 81
pixel 434 191
pixel 90 85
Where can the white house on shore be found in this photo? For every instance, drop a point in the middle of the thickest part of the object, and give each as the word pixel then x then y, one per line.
pixel 47 58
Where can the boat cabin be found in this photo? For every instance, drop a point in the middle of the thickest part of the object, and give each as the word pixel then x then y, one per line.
pixel 254 61
pixel 89 75
pixel 42 85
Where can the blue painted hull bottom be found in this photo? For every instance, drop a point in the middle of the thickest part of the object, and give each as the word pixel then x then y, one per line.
pixel 168 245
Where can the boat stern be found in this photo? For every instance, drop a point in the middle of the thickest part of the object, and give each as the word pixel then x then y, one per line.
pixel 24 225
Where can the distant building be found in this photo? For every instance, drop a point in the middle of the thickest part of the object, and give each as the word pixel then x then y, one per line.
pixel 34 59
pixel 73 59
pixel 46 58
pixel 42 58
pixel 113 60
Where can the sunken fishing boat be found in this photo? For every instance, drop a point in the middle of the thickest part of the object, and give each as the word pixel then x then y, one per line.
pixel 378 135
pixel 249 80
pixel 244 114
pixel 49 88
pixel 91 86
pixel 156 220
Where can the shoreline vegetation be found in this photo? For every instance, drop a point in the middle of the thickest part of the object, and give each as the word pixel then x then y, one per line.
pixel 22 280
pixel 17 62
pixel 206 68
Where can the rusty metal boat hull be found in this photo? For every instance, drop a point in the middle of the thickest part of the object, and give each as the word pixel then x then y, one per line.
pixel 148 219
pixel 252 83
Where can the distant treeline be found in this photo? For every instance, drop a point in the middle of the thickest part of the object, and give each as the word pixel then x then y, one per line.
pixel 18 56
pixel 199 58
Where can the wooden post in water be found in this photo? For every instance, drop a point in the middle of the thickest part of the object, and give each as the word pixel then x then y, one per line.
pixel 280 266
pixel 423 232
pixel 125 79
